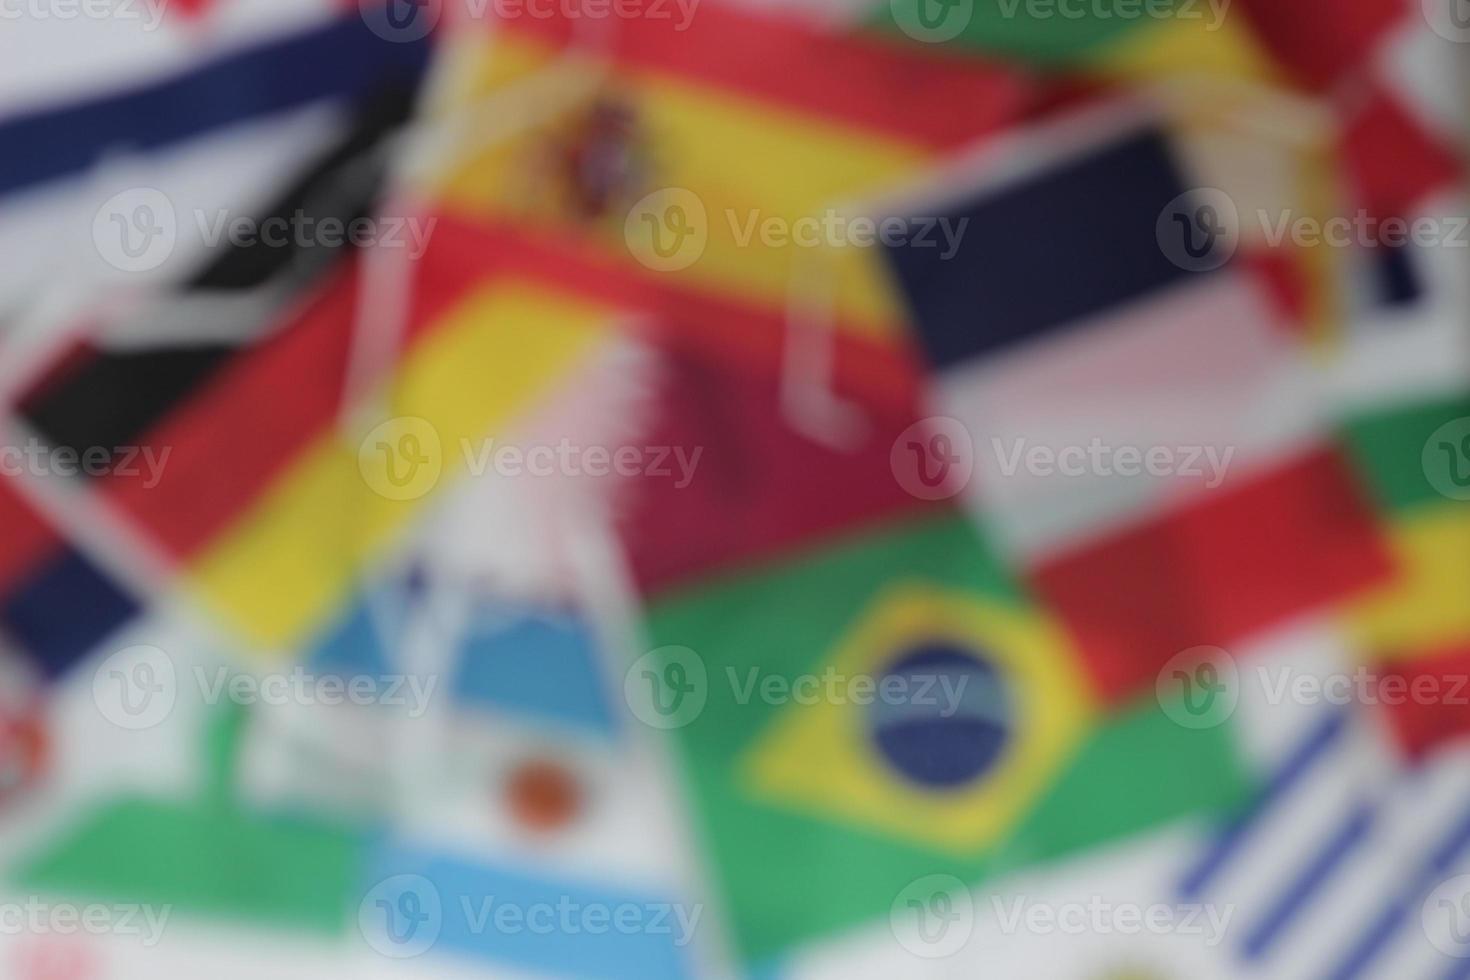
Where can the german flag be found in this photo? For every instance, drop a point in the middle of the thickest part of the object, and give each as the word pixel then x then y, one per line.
pixel 273 532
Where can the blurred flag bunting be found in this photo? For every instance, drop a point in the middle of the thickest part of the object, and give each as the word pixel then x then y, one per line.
pixel 1144 427
pixel 1417 626
pixel 688 126
pixel 822 798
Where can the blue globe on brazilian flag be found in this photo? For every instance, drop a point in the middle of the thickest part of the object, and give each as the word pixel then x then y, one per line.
pixel 975 707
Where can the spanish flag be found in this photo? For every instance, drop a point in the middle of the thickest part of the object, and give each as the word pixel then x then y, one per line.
pixel 687 157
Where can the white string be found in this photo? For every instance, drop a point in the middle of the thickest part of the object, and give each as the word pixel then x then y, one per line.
pixel 419 156
pixel 809 400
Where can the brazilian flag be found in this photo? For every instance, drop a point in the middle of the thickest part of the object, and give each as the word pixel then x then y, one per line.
pixel 886 705
pixel 1135 40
